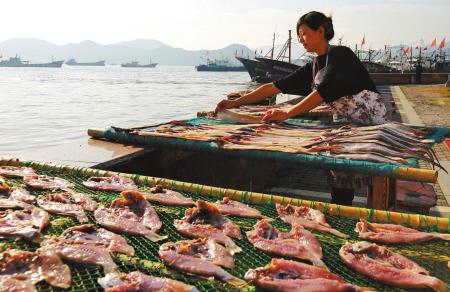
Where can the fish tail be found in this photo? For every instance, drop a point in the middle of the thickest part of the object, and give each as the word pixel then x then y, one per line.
pixel 338 233
pixel 155 237
pixel 82 217
pixel 231 280
pixel 319 263
pixel 442 236
pixel 234 249
pixel 436 285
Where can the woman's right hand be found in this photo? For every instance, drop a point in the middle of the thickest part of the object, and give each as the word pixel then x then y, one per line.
pixel 224 104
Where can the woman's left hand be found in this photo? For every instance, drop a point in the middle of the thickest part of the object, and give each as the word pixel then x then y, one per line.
pixel 275 115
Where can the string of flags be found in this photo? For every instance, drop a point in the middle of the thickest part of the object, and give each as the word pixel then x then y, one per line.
pixel 410 49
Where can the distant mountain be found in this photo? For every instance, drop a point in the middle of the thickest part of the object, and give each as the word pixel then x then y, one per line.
pixel 142 50
pixel 142 44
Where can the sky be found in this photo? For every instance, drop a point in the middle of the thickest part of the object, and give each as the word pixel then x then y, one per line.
pixel 213 24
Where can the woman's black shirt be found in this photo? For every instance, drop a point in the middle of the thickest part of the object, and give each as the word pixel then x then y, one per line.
pixel 344 75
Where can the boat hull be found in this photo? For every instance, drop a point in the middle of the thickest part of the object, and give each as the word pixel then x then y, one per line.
pixel 56 64
pixel 216 68
pixel 152 65
pixel 250 65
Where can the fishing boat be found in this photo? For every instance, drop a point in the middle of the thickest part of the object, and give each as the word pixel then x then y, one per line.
pixel 73 62
pixel 18 62
pixel 135 64
pixel 249 64
pixel 219 66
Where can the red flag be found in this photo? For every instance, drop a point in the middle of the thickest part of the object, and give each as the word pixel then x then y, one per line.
pixel 442 44
pixel 363 41
pixel 405 51
pixel 433 43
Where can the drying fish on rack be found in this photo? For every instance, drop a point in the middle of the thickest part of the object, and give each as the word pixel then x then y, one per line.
pixel 90 234
pixel 21 194
pixel 67 203
pixel 205 220
pixel 21 270
pixel 138 281
pixel 16 197
pixel 114 183
pixel 89 254
pixel 201 257
pixel 284 275
pixel 16 171
pixel 255 113
pixel 131 214
pixel 26 224
pixel 383 265
pixel 393 233
pixel 391 143
pixel 163 196
pixel 89 245
pixel 44 182
pixel 307 217
pixel 298 243
pixel 229 207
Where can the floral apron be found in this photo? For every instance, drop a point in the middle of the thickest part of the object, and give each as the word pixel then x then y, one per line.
pixel 366 108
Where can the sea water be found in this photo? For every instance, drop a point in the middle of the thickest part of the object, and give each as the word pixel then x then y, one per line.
pixel 41 107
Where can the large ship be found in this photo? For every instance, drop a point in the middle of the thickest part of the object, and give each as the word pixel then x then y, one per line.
pixel 268 68
pixel 73 62
pixel 135 64
pixel 17 62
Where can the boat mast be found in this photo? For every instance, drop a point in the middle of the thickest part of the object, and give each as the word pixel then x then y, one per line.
pixel 290 41
pixel 273 46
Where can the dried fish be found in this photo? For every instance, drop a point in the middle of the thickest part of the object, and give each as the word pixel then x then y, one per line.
pixel 140 282
pixel 44 182
pixel 27 223
pixel 184 257
pixel 16 171
pixel 298 243
pixel 289 276
pixel 393 233
pixel 67 203
pixel 114 183
pixel 383 265
pixel 131 214
pixel 21 270
pixel 229 207
pixel 306 217
pixel 163 196
pixel 205 220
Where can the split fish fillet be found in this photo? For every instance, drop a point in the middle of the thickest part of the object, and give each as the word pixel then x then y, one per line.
pixel 306 217
pixel 229 207
pixel 67 203
pixel 393 233
pixel 298 243
pixel 139 282
pixel 131 214
pixel 383 265
pixel 175 255
pixel 290 276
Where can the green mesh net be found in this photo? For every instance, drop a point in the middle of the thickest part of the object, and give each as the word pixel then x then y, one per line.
pixel 432 255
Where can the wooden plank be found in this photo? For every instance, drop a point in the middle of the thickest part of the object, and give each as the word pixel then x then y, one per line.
pixel 381 194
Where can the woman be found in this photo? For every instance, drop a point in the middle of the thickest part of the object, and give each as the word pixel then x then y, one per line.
pixel 336 77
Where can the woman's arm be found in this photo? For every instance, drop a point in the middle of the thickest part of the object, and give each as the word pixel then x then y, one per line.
pixel 256 95
pixel 304 106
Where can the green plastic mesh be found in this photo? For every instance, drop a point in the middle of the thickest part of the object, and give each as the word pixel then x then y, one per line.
pixel 432 255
